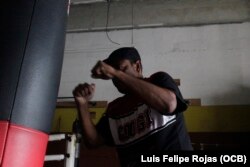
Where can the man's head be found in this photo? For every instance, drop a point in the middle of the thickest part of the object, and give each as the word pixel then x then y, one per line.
pixel 128 60
pixel 125 53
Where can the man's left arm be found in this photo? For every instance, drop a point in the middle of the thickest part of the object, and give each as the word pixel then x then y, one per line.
pixel 162 99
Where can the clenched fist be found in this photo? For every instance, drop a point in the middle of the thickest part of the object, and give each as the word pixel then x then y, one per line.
pixel 84 93
pixel 103 71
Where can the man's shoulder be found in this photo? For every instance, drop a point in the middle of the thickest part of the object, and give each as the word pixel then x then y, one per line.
pixel 161 77
pixel 160 74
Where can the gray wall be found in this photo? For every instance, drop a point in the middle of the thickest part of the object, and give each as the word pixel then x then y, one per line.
pixel 212 60
pixel 158 12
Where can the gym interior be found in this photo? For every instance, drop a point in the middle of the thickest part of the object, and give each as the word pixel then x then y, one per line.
pixel 48 47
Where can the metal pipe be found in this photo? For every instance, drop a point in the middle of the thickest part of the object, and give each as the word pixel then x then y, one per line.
pixel 57 137
pixel 57 157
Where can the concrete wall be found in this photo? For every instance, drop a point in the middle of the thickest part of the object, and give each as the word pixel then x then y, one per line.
pixel 212 61
pixel 147 13
pixel 203 43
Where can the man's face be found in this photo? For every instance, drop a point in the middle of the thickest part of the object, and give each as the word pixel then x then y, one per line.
pixel 132 69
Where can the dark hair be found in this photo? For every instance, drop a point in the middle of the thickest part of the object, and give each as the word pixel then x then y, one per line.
pixel 129 53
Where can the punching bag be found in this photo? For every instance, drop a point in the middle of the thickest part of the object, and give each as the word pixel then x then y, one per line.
pixel 32 46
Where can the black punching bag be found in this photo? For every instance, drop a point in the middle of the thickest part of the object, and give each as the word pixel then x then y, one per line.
pixel 31 46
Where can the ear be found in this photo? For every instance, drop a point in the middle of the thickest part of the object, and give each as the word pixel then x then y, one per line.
pixel 138 66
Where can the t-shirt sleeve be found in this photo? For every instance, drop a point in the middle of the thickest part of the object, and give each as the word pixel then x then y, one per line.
pixel 164 80
pixel 104 130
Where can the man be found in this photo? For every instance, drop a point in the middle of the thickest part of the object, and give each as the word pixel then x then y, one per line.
pixel 147 118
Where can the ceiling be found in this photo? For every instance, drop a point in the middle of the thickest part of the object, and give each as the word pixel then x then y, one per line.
pixel 85 1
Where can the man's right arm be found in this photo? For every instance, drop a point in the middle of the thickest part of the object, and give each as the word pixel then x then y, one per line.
pixel 90 134
pixel 82 94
